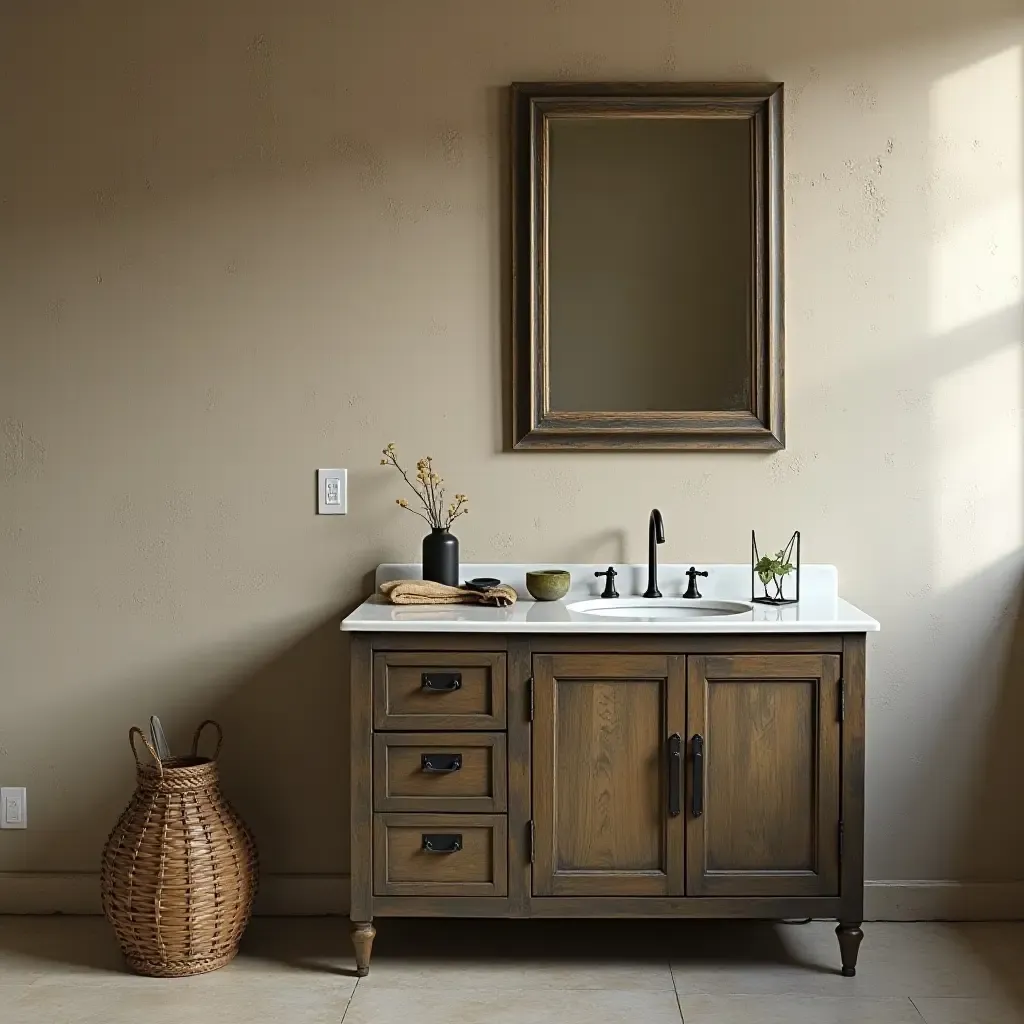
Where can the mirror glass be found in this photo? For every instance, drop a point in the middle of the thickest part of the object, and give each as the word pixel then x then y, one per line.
pixel 650 247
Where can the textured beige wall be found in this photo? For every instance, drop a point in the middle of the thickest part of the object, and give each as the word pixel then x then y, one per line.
pixel 241 240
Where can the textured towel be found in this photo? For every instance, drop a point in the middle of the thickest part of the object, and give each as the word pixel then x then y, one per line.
pixel 426 592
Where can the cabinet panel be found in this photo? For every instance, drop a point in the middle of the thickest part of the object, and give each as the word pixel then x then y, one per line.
pixel 763 817
pixel 601 774
pixel 442 771
pixel 438 690
pixel 440 855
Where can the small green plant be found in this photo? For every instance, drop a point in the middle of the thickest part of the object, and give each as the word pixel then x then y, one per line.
pixel 773 567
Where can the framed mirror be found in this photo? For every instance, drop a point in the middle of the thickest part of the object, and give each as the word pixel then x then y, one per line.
pixel 647 266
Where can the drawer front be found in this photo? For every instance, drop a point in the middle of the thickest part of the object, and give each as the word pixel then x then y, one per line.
pixel 438 690
pixel 440 855
pixel 442 771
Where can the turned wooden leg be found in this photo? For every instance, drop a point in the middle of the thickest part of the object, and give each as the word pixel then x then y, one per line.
pixel 363 934
pixel 849 943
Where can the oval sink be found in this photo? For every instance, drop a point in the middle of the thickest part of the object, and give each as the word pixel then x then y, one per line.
pixel 658 609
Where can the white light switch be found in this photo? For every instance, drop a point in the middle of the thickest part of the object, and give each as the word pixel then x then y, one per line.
pixel 332 492
pixel 13 811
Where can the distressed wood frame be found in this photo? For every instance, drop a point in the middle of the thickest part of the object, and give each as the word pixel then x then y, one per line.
pixel 534 424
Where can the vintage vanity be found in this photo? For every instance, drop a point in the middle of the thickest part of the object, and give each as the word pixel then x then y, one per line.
pixel 537 761
pixel 547 760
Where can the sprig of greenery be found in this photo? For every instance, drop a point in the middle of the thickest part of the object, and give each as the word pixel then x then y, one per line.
pixel 429 489
pixel 771 566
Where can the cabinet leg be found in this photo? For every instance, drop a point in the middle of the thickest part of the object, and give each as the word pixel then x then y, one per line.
pixel 363 934
pixel 850 937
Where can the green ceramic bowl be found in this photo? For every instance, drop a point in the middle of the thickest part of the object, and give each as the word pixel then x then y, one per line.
pixel 548 584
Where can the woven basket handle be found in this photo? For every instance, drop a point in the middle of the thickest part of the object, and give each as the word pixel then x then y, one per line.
pixel 220 738
pixel 149 746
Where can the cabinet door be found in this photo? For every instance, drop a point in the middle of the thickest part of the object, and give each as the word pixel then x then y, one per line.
pixel 763 812
pixel 607 764
pixel 763 768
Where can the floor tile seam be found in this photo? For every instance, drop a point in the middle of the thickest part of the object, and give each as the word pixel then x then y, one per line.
pixel 348 1004
pixel 918 1008
pixel 675 989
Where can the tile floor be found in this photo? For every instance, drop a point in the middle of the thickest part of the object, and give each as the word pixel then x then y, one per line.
pixel 300 971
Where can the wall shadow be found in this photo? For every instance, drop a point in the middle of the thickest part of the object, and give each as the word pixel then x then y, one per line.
pixel 288 717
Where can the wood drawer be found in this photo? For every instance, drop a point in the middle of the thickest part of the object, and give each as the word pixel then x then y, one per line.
pixel 442 771
pixel 438 690
pixel 440 855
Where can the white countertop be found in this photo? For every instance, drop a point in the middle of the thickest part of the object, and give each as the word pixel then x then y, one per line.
pixel 820 609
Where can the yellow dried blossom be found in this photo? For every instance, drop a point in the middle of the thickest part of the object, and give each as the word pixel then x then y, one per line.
pixel 428 486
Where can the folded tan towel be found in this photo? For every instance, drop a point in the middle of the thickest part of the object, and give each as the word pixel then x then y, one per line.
pixel 426 592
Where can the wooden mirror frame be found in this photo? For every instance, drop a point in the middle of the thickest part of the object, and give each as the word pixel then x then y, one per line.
pixel 534 424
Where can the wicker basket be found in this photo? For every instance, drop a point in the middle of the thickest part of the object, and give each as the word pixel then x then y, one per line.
pixel 179 869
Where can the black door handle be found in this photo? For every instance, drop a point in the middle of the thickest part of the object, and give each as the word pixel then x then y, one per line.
pixel 442 842
pixel 440 764
pixel 698 775
pixel 675 770
pixel 441 682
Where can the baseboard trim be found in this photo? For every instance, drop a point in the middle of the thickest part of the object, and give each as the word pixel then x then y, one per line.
pixel 936 900
pixel 49 892
pixel 26 892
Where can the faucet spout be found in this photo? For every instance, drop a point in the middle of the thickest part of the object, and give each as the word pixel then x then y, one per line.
pixel 655 536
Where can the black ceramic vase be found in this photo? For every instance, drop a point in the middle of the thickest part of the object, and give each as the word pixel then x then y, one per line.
pixel 441 557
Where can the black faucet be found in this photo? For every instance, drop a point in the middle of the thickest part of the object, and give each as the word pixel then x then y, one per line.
pixel 609 587
pixel 655 536
pixel 692 591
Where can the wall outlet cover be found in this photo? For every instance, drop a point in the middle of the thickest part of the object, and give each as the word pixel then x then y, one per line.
pixel 13 807
pixel 332 492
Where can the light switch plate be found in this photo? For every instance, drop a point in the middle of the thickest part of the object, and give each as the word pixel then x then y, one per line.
pixel 13 807
pixel 332 492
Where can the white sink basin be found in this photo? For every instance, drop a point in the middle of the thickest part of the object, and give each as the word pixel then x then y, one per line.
pixel 658 609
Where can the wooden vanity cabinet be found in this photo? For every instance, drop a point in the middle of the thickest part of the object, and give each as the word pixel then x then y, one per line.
pixel 623 776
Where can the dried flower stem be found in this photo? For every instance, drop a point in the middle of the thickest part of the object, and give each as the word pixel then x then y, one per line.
pixel 430 492
pixel 405 476
pixel 435 507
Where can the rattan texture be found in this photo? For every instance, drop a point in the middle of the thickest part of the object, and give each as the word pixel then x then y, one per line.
pixel 179 868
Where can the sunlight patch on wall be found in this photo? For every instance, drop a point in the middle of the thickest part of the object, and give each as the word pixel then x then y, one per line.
pixel 975 267
pixel 978 484
pixel 974 191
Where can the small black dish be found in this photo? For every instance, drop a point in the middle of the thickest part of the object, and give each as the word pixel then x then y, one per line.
pixel 483 583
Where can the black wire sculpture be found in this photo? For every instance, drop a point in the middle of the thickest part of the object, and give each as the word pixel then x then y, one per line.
pixel 772 572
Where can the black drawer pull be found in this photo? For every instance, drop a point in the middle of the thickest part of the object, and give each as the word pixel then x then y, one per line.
pixel 441 682
pixel 698 775
pixel 440 764
pixel 442 842
pixel 675 771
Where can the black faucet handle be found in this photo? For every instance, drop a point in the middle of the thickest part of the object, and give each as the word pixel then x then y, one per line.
pixel 691 591
pixel 609 587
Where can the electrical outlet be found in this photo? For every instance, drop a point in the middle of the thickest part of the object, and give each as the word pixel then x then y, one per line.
pixel 13 807
pixel 332 492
